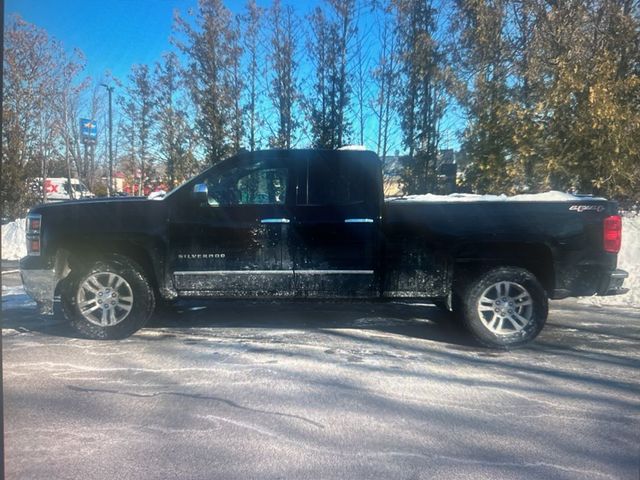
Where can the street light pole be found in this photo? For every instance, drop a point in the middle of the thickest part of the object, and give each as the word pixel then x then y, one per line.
pixel 110 90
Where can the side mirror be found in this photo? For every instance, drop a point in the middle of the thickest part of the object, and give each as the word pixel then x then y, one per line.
pixel 200 193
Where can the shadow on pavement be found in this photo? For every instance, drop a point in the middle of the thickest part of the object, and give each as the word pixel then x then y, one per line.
pixel 422 321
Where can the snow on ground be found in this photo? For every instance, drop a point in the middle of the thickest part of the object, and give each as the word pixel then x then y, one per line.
pixel 14 245
pixel 629 260
pixel 551 196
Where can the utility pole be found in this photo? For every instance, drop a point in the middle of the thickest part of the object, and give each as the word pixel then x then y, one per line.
pixel 110 90
pixel 66 143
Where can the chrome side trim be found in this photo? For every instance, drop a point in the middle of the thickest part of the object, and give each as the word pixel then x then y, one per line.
pixel 276 272
pixel 259 294
pixel 275 220
pixel 358 220
pixel 236 272
pixel 334 272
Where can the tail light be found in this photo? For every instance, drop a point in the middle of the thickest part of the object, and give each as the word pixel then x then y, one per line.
pixel 34 224
pixel 612 234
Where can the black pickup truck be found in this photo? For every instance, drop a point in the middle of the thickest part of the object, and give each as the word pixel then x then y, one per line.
pixel 314 224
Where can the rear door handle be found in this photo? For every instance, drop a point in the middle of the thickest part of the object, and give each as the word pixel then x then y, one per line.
pixel 275 220
pixel 358 220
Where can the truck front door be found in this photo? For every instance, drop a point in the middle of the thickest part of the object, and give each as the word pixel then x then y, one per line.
pixel 232 245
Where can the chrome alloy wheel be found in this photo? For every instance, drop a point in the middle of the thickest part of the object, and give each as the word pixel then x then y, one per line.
pixel 505 308
pixel 105 299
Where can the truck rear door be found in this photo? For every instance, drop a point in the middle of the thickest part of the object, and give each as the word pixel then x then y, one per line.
pixel 334 235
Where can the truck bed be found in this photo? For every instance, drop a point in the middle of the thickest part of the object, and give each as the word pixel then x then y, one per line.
pixel 561 236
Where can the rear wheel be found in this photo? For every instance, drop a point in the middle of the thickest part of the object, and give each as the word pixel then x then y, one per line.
pixel 110 299
pixel 505 307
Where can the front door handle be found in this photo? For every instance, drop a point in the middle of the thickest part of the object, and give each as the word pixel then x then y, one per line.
pixel 275 220
pixel 358 220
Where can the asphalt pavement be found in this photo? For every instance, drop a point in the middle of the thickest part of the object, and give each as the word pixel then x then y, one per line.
pixel 250 390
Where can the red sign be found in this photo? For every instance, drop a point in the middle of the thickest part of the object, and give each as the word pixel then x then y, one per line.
pixel 50 187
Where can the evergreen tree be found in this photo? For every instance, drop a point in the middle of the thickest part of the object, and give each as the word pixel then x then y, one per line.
pixel 345 14
pixel 526 169
pixel 236 87
pixel 210 47
pixel 174 138
pixel 482 60
pixel 329 47
pixel 319 100
pixel 587 58
pixel 139 112
pixel 251 35
pixel 283 91
pixel 422 97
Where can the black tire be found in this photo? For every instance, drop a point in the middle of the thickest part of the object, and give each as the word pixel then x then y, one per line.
pixel 509 328
pixel 141 307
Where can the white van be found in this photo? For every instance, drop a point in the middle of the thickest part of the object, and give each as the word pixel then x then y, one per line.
pixel 57 188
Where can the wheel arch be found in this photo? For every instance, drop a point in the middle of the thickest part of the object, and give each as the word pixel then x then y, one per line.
pixel 77 255
pixel 473 259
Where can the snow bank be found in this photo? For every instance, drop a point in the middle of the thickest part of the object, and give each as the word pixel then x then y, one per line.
pixel 14 245
pixel 355 148
pixel 552 196
pixel 629 260
pixel 159 195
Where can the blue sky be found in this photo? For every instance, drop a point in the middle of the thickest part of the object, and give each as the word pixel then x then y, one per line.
pixel 115 34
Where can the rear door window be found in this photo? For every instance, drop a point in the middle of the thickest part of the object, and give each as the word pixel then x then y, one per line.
pixel 332 181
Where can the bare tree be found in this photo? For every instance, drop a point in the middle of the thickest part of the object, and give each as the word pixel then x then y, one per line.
pixel 361 81
pixel 30 129
pixel 385 76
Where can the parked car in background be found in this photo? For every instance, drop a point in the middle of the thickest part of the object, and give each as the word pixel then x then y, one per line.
pixel 57 189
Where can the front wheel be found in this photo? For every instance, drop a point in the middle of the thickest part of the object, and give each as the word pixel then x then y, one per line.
pixel 505 307
pixel 111 299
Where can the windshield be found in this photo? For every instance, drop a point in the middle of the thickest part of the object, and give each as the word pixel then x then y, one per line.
pixel 77 187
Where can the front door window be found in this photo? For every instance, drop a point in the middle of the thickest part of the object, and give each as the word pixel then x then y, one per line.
pixel 263 185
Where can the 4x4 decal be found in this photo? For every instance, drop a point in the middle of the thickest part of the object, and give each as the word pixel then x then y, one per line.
pixel 586 208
